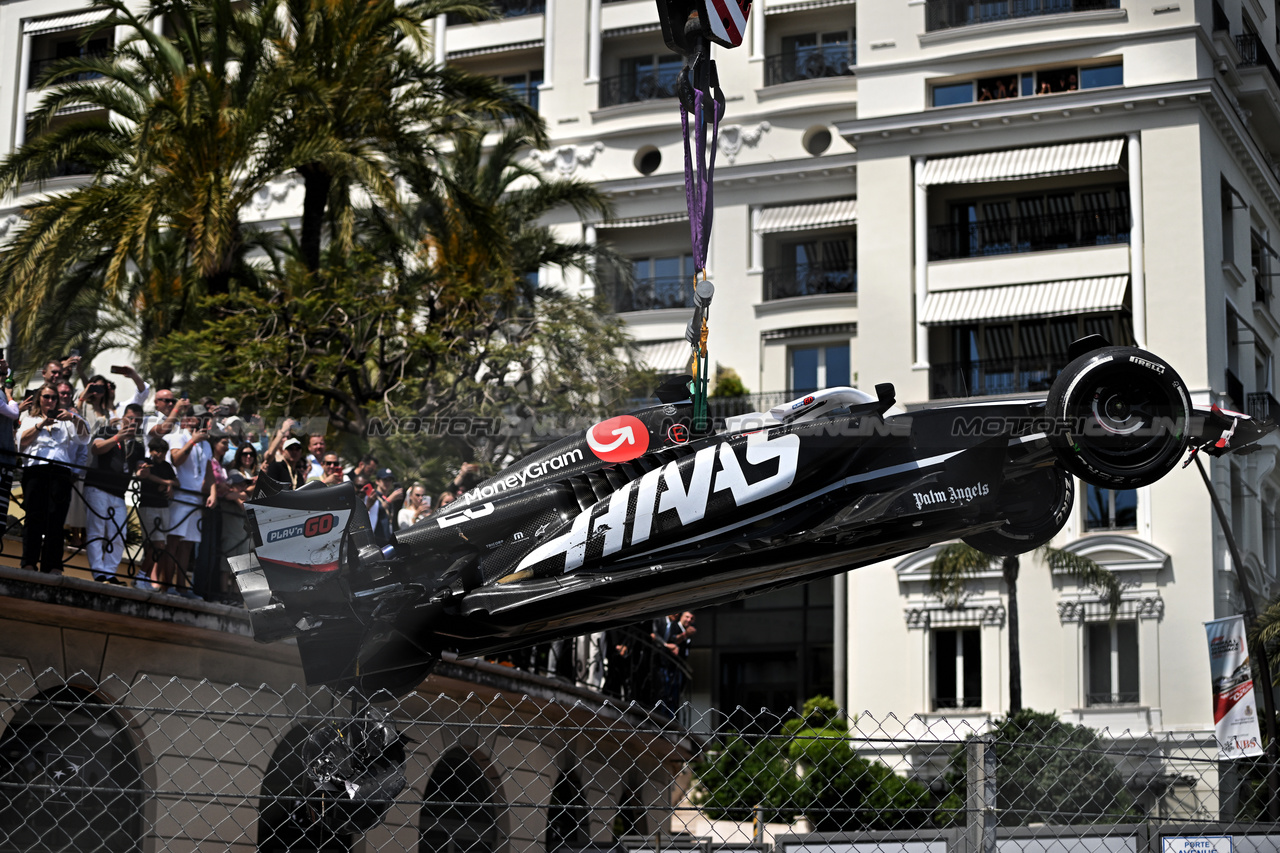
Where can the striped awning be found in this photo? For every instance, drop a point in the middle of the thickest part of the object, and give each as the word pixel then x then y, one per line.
pixel 1098 156
pixel 785 8
pixel 619 32
pixel 60 24
pixel 666 356
pixel 641 221
pixel 805 217
pixel 495 48
pixel 1011 302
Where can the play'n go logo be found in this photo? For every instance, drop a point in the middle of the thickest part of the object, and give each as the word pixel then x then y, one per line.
pixel 618 439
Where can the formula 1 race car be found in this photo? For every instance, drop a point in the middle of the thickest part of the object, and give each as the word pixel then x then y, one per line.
pixel 642 515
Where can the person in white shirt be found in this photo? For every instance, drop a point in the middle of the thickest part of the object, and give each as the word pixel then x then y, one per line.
pixel 315 456
pixel 50 436
pixel 416 507
pixel 9 414
pixel 189 455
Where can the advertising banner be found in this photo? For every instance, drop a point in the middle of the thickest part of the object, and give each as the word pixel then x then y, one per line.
pixel 1235 707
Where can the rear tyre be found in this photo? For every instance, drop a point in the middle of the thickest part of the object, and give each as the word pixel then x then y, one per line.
pixel 1035 507
pixel 1121 417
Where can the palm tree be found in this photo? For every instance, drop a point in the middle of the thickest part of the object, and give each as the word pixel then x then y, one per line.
pixel 183 130
pixel 958 561
pixel 183 133
pixel 364 100
pixel 473 242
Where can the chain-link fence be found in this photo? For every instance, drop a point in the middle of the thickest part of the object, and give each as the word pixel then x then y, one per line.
pixel 177 764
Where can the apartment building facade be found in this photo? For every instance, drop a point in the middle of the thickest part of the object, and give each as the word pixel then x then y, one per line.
pixel 943 206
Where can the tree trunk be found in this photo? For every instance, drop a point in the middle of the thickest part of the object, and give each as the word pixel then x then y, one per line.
pixel 1010 568
pixel 316 183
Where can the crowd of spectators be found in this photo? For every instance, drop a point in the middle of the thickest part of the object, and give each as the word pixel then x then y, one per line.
pixel 81 445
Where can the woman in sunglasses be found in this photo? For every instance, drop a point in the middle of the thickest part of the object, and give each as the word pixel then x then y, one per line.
pixel 95 403
pixel 247 463
pixel 49 435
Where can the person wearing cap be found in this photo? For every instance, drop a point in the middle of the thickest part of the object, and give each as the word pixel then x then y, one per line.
pixel 228 412
pixel 233 536
pixel 388 497
pixel 292 470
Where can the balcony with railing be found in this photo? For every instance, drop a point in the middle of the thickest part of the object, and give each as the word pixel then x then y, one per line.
pixel 791 281
pixel 1263 407
pixel 949 14
pixel 648 294
pixel 506 9
pixel 1029 234
pixel 625 664
pixel 38 67
pixel 994 376
pixel 638 87
pixel 1253 54
pixel 810 64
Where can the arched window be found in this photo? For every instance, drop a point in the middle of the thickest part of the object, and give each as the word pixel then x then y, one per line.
pixel 632 817
pixel 458 811
pixel 567 815
pixel 70 778
pixel 284 823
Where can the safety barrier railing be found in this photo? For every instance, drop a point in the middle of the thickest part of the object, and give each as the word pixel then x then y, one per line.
pixel 184 764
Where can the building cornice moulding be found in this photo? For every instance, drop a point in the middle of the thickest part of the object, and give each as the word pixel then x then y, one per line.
pixel 1205 95
pixel 828 168
pixel 1095 43
pixel 1038 23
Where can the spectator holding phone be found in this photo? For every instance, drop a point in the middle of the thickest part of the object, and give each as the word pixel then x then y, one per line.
pixel 417 506
pixel 332 466
pixel 94 403
pixel 50 435
pixel 159 481
pixel 189 456
pixel 141 389
pixel 388 498
pixel 115 453
pixel 9 414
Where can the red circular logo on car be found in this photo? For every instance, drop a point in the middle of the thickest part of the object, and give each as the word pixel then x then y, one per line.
pixel 678 433
pixel 618 439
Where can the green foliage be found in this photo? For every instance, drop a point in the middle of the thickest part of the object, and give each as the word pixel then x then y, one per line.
pixel 409 312
pixel 1048 771
pixel 812 770
pixel 728 383
pixel 741 774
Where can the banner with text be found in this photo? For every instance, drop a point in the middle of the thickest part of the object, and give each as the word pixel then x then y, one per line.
pixel 1235 712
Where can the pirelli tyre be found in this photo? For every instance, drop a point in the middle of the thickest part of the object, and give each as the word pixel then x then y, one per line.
pixel 1034 508
pixel 1121 416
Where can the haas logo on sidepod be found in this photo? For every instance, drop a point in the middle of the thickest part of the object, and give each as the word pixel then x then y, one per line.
pixel 618 439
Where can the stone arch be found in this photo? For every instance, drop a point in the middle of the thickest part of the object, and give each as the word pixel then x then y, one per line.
pixel 283 824
pixel 459 808
pixel 568 816
pixel 632 818
pixel 70 777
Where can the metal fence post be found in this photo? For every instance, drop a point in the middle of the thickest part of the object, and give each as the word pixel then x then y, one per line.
pixel 980 798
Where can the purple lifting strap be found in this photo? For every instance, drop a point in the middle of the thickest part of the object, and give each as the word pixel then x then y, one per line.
pixel 698 192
